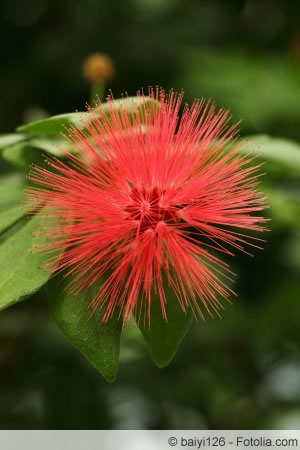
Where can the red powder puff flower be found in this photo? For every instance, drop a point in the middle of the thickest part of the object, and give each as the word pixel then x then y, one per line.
pixel 144 202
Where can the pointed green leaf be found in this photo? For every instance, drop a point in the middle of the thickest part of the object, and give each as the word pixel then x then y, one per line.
pixel 99 342
pixel 163 338
pixel 11 208
pixel 51 145
pixel 6 140
pixel 280 151
pixel 57 124
pixel 53 125
pixel 21 271
pixel 22 155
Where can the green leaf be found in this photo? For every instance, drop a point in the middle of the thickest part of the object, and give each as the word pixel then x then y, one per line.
pixel 11 208
pixel 99 342
pixel 15 177
pixel 6 140
pixel 280 151
pixel 163 338
pixel 21 270
pixel 22 155
pixel 54 125
pixel 132 104
pixel 51 145
pixel 57 124
pixel 285 205
pixel 33 150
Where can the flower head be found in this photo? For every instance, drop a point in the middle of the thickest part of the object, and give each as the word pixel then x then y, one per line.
pixel 147 200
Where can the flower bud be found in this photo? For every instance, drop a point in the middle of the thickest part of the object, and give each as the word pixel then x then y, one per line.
pixel 98 67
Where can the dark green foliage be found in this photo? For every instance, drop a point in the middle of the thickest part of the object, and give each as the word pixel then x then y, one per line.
pixel 239 372
pixel 98 341
pixel 21 268
pixel 163 338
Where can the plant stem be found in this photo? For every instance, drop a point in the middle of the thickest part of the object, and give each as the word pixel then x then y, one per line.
pixel 97 92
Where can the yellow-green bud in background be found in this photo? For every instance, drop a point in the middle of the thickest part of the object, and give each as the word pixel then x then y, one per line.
pixel 97 69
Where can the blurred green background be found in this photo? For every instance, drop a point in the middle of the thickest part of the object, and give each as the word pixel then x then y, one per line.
pixel 239 372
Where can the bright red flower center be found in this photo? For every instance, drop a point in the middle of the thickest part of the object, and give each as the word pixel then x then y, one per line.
pixel 148 208
pixel 143 202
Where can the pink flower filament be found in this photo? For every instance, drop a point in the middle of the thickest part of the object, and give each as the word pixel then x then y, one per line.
pixel 145 201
